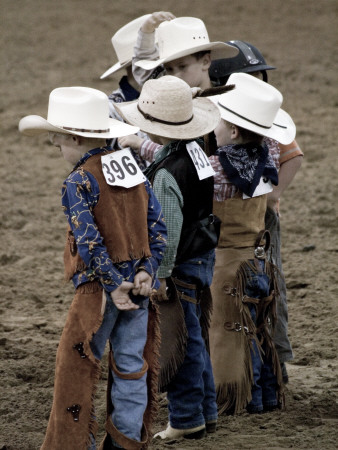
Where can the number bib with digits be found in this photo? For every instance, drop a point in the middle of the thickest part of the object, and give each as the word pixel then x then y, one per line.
pixel 121 169
pixel 200 160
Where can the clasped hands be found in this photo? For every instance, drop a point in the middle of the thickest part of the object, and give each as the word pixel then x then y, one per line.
pixel 141 286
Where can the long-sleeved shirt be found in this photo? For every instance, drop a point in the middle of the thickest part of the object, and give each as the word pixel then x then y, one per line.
pixel 146 48
pixel 80 194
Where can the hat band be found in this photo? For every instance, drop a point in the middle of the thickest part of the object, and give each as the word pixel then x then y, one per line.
pixel 251 121
pixel 85 130
pixel 165 122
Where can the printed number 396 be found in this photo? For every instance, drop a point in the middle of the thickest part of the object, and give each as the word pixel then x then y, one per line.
pixel 115 169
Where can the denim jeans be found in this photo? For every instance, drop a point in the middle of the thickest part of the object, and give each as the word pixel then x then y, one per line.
pixel 264 389
pixel 191 394
pixel 127 333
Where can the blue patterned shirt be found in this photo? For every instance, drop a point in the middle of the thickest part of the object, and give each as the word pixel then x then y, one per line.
pixel 80 194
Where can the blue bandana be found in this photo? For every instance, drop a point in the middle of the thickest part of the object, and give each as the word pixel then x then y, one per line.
pixel 245 164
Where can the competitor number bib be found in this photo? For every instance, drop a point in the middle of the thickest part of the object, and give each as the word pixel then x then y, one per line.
pixel 120 169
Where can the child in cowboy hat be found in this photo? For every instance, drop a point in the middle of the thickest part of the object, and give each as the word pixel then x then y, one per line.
pixel 115 242
pixel 288 159
pixel 123 42
pixel 182 49
pixel 182 181
pixel 244 358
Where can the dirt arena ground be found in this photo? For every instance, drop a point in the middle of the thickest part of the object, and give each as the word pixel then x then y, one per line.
pixel 47 44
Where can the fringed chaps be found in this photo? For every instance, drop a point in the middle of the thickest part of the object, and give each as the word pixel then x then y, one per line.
pixel 174 332
pixel 76 374
pixel 232 329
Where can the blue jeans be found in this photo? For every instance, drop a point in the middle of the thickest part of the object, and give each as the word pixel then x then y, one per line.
pixel 191 394
pixel 264 389
pixel 127 333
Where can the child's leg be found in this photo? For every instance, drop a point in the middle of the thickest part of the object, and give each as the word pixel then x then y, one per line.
pixel 269 385
pixel 257 287
pixel 202 275
pixel 129 388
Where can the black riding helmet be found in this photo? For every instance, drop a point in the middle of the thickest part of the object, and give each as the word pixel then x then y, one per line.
pixel 249 59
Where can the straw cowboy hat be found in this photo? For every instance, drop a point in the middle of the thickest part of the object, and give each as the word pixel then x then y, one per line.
pixel 255 105
pixel 77 110
pixel 166 108
pixel 184 36
pixel 123 42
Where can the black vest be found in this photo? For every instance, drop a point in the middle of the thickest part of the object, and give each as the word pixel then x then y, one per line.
pixel 197 202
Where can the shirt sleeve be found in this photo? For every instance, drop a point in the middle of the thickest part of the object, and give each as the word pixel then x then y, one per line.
pixel 80 194
pixel 223 188
pixel 157 232
pixel 145 48
pixel 149 150
pixel 171 199
pixel 289 151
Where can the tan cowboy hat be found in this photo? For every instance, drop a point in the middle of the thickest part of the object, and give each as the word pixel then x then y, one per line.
pixel 77 110
pixel 255 105
pixel 184 36
pixel 123 42
pixel 166 108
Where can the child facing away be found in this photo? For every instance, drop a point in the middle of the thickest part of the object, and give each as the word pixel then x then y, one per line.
pixel 123 42
pixel 244 359
pixel 166 111
pixel 115 241
pixel 288 159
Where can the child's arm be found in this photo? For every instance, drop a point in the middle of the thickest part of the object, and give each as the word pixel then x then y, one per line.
pixel 288 158
pixel 157 233
pixel 145 47
pixel 146 148
pixel 223 188
pixel 170 197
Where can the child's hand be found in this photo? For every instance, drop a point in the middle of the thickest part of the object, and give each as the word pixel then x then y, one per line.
pixel 142 284
pixel 155 19
pixel 133 141
pixel 121 297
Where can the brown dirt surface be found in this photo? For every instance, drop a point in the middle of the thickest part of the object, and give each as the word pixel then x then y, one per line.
pixel 47 44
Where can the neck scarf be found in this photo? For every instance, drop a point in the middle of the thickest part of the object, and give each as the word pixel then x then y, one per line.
pixel 245 164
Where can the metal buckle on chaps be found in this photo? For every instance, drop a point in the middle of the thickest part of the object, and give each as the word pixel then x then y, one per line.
pixel 238 326
pixel 259 252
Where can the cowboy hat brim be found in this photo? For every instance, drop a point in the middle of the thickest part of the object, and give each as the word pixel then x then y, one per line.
pixel 33 125
pixel 115 68
pixel 283 129
pixel 218 50
pixel 205 119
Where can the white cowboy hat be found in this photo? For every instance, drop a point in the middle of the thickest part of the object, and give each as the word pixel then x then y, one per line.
pixel 166 108
pixel 255 105
pixel 77 110
pixel 123 42
pixel 184 36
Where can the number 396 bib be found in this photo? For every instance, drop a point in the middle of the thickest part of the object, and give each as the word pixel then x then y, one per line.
pixel 120 169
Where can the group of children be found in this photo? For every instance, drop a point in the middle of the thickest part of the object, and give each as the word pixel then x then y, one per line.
pixel 147 202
